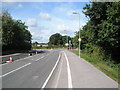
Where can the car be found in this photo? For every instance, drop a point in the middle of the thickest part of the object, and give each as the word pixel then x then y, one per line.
pixel 32 52
pixel 70 48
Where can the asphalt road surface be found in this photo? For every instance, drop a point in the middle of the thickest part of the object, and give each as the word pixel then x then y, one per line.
pixel 54 69
pixel 17 56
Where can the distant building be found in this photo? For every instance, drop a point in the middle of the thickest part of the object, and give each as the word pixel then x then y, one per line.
pixel 45 45
pixel 39 45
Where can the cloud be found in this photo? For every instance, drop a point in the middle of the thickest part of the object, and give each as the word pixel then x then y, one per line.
pixel 62 27
pixel 40 35
pixel 47 0
pixel 12 5
pixel 31 22
pixel 20 5
pixel 67 32
pixel 48 19
pixel 45 16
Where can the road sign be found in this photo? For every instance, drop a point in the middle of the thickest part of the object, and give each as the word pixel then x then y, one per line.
pixel 79 39
pixel 66 44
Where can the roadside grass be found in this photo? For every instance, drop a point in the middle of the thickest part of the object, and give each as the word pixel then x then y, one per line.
pixel 101 65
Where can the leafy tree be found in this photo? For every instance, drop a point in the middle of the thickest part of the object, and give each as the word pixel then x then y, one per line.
pixel 103 28
pixel 15 35
pixel 65 39
pixel 59 40
pixel 56 39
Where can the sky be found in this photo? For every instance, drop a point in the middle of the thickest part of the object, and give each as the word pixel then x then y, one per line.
pixel 46 18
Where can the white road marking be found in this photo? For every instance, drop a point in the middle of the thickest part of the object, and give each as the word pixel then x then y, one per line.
pixel 45 83
pixel 35 77
pixel 24 58
pixel 17 60
pixel 42 57
pixel 3 64
pixel 15 70
pixel 20 59
pixel 69 72
pixel 59 74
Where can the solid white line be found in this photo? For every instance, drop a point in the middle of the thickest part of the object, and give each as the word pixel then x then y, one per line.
pixel 15 70
pixel 3 64
pixel 17 60
pixel 23 59
pixel 69 72
pixel 45 83
pixel 59 74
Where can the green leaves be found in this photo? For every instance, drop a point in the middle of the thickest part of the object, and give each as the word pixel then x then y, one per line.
pixel 15 35
pixel 103 27
pixel 58 39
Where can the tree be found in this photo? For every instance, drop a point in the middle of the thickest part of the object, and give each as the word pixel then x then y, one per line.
pixel 65 39
pixel 15 35
pixel 56 39
pixel 7 30
pixel 103 28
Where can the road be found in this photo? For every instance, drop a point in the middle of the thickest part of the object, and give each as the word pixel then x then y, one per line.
pixel 54 69
pixel 17 56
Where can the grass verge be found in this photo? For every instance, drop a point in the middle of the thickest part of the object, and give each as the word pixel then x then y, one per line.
pixel 101 65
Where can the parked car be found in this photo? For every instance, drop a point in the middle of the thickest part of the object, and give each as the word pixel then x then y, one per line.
pixel 32 52
pixel 70 48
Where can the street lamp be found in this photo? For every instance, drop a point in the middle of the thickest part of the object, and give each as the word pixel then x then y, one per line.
pixel 79 39
pixel 66 39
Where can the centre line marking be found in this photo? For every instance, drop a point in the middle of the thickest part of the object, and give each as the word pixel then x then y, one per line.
pixel 42 57
pixel 15 70
pixel 69 72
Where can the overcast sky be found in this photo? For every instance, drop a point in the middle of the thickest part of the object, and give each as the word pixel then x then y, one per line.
pixel 46 18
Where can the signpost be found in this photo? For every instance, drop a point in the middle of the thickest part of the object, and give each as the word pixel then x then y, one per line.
pixel 79 45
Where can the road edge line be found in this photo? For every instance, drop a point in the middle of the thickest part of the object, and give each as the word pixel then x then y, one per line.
pixel 17 60
pixel 46 81
pixel 69 73
pixel 59 73
pixel 15 70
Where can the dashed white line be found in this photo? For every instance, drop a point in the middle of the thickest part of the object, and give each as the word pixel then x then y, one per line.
pixel 15 70
pixel 69 72
pixel 45 83
pixel 42 57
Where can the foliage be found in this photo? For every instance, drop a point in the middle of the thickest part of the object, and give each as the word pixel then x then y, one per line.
pixel 15 34
pixel 58 40
pixel 101 35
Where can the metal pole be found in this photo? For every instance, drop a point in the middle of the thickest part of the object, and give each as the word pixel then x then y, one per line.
pixel 67 39
pixel 79 30
pixel 79 34
pixel 67 42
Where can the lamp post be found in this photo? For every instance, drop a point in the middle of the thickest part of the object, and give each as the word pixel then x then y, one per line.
pixel 79 39
pixel 66 39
